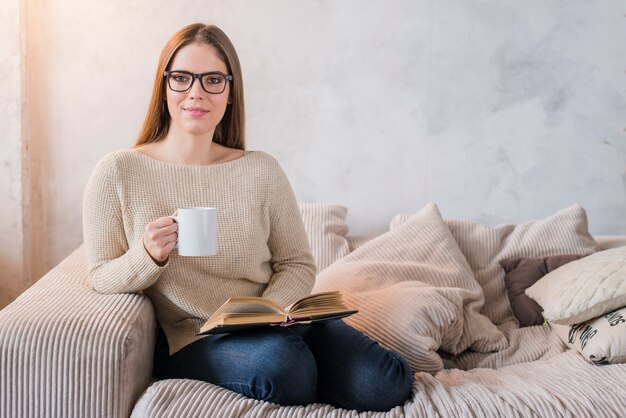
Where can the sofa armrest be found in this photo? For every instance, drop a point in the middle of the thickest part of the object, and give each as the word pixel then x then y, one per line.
pixel 610 241
pixel 69 351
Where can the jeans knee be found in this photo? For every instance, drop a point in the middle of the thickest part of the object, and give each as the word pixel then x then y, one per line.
pixel 291 380
pixel 376 389
pixel 286 373
pixel 395 386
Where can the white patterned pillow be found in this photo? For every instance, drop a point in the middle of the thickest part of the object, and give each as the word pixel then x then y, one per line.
pixel 485 247
pixel 415 293
pixel 583 289
pixel 600 340
pixel 326 228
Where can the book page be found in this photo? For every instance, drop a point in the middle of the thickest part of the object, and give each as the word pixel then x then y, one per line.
pixel 319 303
pixel 250 305
pixel 227 320
pixel 245 318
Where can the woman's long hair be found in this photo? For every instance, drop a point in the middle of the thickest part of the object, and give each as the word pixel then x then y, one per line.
pixel 230 132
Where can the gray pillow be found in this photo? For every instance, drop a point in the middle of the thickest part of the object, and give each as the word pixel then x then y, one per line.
pixel 520 274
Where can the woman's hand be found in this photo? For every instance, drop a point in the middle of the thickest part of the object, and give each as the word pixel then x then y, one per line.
pixel 159 238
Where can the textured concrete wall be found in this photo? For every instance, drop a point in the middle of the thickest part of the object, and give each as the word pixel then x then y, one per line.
pixel 496 111
pixel 12 278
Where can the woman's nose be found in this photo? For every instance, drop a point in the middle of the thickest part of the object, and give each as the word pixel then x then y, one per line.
pixel 196 90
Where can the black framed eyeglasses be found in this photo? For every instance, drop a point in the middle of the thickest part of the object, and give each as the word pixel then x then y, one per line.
pixel 213 82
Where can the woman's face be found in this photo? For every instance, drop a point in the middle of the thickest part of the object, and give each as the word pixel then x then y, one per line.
pixel 195 111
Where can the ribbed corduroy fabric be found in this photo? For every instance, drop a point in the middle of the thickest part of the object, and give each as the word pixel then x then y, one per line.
pixel 565 232
pixel 326 228
pixel 415 293
pixel 562 386
pixel 67 351
pixel 484 246
pixel 524 345
pixel 262 246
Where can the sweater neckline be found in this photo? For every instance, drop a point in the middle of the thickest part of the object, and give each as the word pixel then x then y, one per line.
pixel 154 160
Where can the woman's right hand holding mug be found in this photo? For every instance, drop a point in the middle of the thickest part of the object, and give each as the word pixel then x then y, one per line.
pixel 159 238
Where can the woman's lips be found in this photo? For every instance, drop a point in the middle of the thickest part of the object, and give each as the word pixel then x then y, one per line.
pixel 196 111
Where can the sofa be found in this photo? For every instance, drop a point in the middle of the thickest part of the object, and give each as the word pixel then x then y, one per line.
pixel 431 288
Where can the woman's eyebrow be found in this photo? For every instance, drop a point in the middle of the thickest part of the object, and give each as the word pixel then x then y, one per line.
pixel 205 72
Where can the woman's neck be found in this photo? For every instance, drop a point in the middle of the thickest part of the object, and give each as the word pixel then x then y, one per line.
pixel 189 149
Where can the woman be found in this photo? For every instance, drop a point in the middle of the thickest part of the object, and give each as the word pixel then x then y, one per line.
pixel 191 152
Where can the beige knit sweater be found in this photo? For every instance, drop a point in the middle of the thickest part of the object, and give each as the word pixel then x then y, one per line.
pixel 262 246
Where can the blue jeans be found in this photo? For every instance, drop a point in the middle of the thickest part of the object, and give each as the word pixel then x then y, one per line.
pixel 328 362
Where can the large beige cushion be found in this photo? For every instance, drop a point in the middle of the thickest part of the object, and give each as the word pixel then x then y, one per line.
pixel 326 228
pixel 485 247
pixel 583 289
pixel 600 340
pixel 415 293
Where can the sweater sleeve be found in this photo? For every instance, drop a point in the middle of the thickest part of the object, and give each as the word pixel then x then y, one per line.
pixel 292 261
pixel 114 264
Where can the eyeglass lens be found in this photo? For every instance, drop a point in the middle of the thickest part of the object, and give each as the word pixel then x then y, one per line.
pixel 212 83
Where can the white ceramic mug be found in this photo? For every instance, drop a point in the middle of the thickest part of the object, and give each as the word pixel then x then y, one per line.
pixel 197 231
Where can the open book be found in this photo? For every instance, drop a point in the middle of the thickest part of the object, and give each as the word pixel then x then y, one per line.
pixel 252 312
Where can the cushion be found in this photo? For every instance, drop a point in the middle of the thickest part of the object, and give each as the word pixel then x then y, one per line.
pixel 600 340
pixel 326 228
pixel 415 293
pixel 583 289
pixel 522 273
pixel 484 247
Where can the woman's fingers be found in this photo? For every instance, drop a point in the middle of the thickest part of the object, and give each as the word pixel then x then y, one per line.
pixel 170 237
pixel 162 226
pixel 160 237
pixel 169 246
pixel 162 222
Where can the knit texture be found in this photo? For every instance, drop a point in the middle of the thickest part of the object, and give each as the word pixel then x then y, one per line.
pixel 262 246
